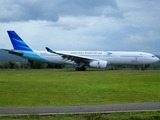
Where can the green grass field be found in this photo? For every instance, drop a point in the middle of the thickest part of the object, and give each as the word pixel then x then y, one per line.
pixel 24 89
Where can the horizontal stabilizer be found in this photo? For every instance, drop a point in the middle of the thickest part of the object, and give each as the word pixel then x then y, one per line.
pixel 14 52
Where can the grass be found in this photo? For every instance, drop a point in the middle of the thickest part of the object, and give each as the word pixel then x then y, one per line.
pixel 24 89
pixel 98 116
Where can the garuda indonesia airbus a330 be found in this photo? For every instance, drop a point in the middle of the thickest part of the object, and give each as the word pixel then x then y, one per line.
pixel 94 59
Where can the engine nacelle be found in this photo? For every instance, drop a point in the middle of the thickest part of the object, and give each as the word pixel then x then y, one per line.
pixel 98 64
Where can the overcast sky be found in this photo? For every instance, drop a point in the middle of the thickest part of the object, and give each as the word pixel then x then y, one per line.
pixel 125 25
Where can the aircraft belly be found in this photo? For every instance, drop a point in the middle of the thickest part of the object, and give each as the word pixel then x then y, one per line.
pixel 55 59
pixel 34 57
pixel 122 61
pixel 58 60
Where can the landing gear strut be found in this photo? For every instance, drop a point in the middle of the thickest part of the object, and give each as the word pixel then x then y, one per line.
pixel 143 67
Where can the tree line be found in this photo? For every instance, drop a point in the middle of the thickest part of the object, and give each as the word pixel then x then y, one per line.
pixel 29 65
pixel 39 65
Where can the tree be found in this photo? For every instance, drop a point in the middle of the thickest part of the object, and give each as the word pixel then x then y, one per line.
pixel 37 65
pixel 10 65
pixel 59 66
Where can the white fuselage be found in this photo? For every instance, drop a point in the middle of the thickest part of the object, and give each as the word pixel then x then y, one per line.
pixel 112 57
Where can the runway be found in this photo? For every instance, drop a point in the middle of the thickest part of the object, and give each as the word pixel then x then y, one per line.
pixel 81 109
pixel 67 70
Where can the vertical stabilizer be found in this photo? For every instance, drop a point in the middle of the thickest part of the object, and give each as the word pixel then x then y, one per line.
pixel 17 42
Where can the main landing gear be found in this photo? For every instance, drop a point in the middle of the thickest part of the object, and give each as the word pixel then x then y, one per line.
pixel 143 67
pixel 80 68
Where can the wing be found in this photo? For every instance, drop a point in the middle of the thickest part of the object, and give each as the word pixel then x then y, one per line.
pixel 72 57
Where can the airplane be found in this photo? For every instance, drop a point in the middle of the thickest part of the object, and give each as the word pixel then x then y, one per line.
pixel 93 59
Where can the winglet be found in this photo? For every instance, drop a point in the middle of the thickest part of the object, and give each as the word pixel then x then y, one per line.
pixel 49 50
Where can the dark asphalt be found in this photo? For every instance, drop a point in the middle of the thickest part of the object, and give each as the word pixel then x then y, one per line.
pixel 81 109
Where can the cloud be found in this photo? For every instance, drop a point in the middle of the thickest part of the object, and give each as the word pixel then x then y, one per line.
pixel 125 25
pixel 51 10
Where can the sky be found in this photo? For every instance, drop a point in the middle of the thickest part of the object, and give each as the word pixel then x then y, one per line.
pixel 113 25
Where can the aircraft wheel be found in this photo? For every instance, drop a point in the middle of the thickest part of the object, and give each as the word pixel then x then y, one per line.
pixel 77 69
pixel 80 69
pixel 83 68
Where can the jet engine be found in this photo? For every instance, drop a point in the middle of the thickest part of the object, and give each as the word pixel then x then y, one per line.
pixel 98 64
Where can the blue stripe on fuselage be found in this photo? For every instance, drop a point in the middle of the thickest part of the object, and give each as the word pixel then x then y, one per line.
pixel 33 56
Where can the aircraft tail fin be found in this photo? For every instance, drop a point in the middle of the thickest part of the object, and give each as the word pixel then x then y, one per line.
pixel 17 42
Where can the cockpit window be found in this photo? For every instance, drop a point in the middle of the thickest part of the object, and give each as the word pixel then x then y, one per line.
pixel 153 56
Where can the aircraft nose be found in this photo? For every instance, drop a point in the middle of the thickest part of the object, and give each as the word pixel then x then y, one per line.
pixel 157 59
